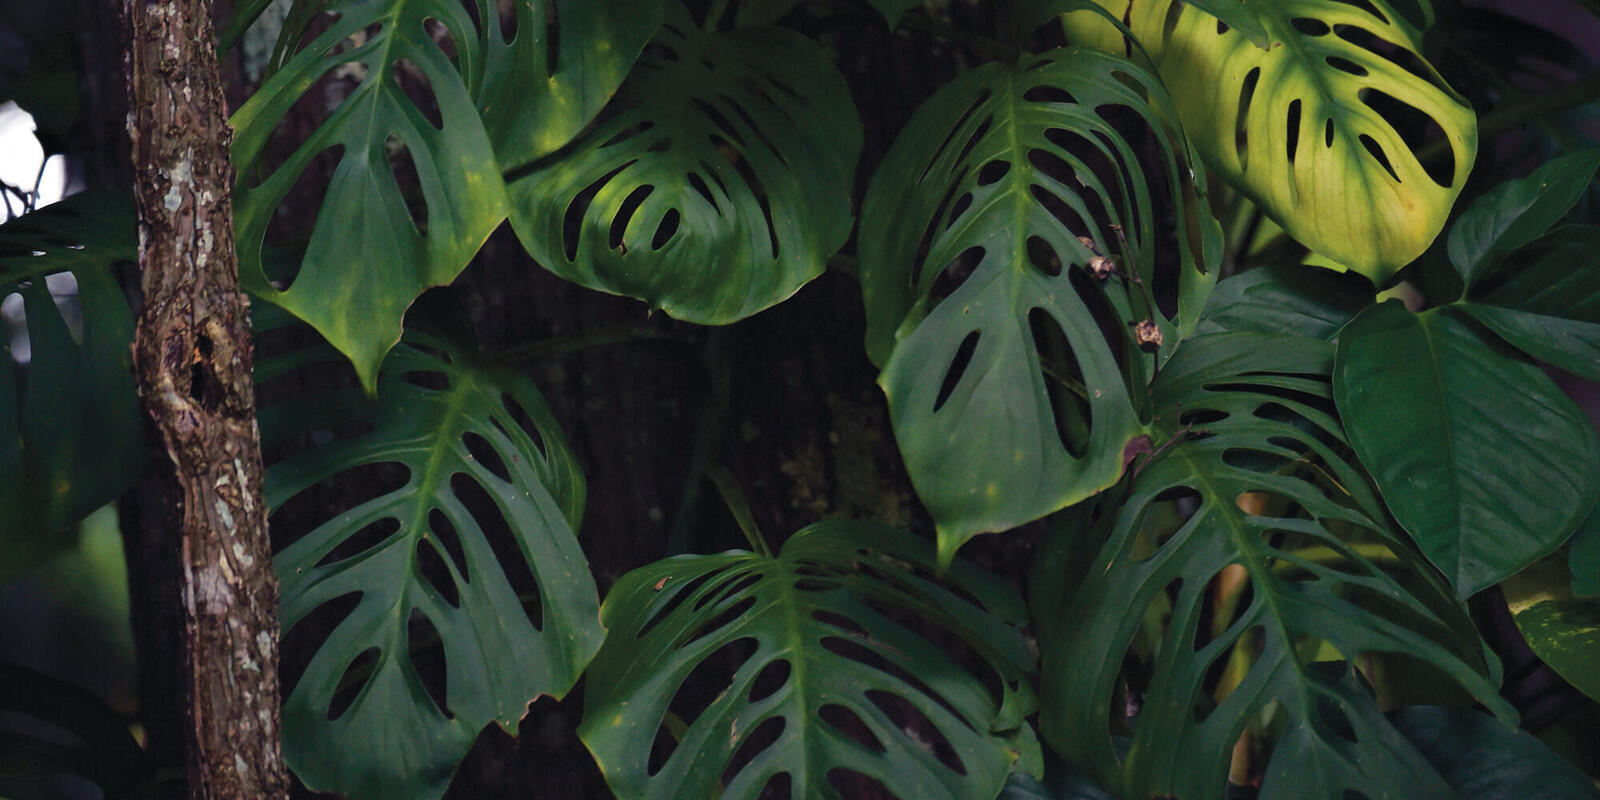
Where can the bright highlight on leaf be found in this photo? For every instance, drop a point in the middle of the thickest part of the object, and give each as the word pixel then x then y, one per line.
pixel 727 674
pixel 1324 127
pixel 463 550
pixel 1009 254
pixel 721 187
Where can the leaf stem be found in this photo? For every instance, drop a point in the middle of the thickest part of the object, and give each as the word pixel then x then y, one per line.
pixel 728 487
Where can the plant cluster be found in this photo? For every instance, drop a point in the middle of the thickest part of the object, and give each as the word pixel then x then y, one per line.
pixel 1137 272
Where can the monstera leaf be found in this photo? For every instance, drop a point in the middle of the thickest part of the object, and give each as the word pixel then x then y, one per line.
pixel 720 190
pixel 821 688
pixel 70 424
pixel 473 499
pixel 1321 126
pixel 367 257
pixel 1255 482
pixel 1008 257
pixel 50 730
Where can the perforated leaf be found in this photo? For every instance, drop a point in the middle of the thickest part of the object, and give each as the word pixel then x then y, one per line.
pixel 720 189
pixel 70 423
pixel 368 257
pixel 1486 480
pixel 1254 537
pixel 799 670
pixel 1012 371
pixel 465 549
pixel 1322 127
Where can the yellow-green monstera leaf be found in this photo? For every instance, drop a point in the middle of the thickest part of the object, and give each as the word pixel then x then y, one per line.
pixel 1322 127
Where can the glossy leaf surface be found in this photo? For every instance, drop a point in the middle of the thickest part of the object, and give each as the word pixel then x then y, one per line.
pixel 1545 299
pixel 1253 425
pixel 70 422
pixel 1287 300
pixel 1482 458
pixel 1012 373
pixel 464 542
pixel 1321 128
pixel 368 257
pixel 55 735
pixel 1483 758
pixel 720 189
pixel 1562 630
pixel 1517 212
pixel 819 682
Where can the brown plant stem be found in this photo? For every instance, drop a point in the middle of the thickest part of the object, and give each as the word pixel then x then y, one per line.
pixel 192 356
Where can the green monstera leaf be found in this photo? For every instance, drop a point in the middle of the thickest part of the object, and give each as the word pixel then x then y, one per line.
pixel 1255 538
pixel 1489 466
pixel 1321 126
pixel 821 688
pixel 1008 264
pixel 368 256
pixel 70 422
pixel 720 190
pixel 460 545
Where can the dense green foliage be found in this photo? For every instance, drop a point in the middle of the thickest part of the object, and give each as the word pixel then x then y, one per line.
pixel 1145 286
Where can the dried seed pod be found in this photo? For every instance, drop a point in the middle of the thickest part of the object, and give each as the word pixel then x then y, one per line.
pixel 1147 334
pixel 1101 267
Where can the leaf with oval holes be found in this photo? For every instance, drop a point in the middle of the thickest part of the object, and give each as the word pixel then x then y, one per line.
pixel 71 429
pixel 823 687
pixel 720 189
pixel 1545 299
pixel 1012 371
pixel 562 63
pixel 1323 128
pixel 368 255
pixel 466 545
pixel 1254 489
pixel 1482 458
pixel 1517 212
pixel 55 734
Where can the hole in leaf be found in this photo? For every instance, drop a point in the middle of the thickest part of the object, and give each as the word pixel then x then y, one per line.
pixel 484 453
pixel 1058 208
pixel 1049 94
pixel 718 120
pixel 1043 257
pixel 910 719
pixel 949 138
pixel 840 621
pixel 771 678
pixel 290 227
pixel 726 617
pixel 698 184
pixel 1377 155
pixel 677 593
pixel 1327 134
pixel 1417 129
pixel 846 722
pixel 367 538
pixel 307 635
pixel 855 651
pixel 1293 137
pixel 710 678
pixel 1222 28
pixel 732 586
pixel 443 532
pixel 1310 26
pixel 850 783
pixel 1366 6
pixel 963 203
pixel 624 214
pixel 572 221
pixel 427 654
pixel 1334 721
pixel 520 416
pixel 777 788
pixel 432 570
pixel 432 380
pixel 752 182
pixel 438 33
pixel 351 683
pixel 993 171
pixel 661 750
pixel 503 542
pixel 1391 52
pixel 552 36
pixel 958 367
pixel 764 736
pixel 1063 381
pixel 925 245
pixel 1241 140
pixel 1163 518
pixel 335 497
pixel 1346 65
pixel 665 230
pixel 972 141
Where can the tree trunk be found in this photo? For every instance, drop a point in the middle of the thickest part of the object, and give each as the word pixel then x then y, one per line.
pixel 193 359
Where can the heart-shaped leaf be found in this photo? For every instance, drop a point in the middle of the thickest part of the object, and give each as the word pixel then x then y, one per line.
pixel 822 686
pixel 1008 264
pixel 720 190
pixel 1516 212
pixel 1322 127
pixel 461 544
pixel 1253 538
pixel 1482 458
pixel 1545 299
pixel 70 423
pixel 368 256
